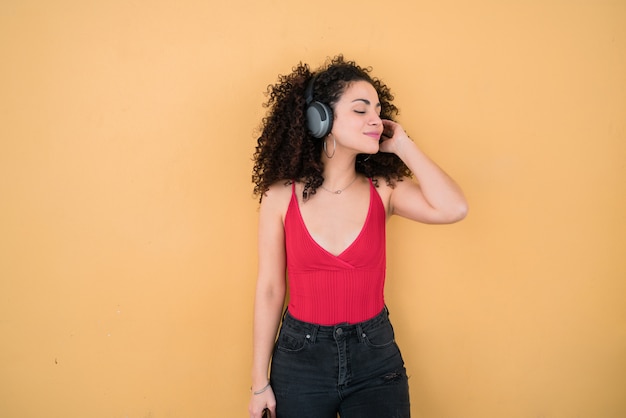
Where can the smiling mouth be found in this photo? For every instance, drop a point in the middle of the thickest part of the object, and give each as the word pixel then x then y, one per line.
pixel 373 135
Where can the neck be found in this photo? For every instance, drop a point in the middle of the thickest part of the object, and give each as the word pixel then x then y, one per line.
pixel 338 173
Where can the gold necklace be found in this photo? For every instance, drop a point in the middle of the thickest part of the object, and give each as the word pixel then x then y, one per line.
pixel 338 191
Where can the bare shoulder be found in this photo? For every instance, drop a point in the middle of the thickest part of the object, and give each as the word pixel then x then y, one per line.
pixel 276 199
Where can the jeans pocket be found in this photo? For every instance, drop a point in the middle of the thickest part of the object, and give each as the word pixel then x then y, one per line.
pixel 291 341
pixel 380 337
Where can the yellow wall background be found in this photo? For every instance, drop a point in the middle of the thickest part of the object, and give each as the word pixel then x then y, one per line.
pixel 128 225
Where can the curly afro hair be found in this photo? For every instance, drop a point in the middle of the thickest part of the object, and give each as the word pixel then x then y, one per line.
pixel 287 151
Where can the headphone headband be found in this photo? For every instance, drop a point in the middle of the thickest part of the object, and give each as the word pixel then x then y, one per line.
pixel 308 93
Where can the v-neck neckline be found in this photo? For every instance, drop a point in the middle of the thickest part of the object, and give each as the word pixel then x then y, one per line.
pixel 294 197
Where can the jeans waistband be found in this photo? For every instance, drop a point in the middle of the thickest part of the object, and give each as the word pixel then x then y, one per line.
pixel 314 330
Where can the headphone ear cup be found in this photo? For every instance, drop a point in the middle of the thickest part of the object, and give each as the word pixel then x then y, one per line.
pixel 319 119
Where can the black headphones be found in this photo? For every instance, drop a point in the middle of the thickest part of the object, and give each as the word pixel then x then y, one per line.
pixel 319 117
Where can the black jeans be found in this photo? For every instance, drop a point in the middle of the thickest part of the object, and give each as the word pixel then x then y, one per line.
pixel 354 370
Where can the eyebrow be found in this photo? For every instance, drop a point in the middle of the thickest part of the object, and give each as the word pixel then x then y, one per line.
pixel 367 102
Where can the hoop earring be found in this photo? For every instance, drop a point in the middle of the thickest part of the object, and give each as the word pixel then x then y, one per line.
pixel 334 148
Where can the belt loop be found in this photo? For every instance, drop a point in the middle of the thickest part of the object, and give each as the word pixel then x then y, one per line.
pixel 313 333
pixel 360 333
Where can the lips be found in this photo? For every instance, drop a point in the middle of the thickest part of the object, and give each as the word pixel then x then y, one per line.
pixel 375 135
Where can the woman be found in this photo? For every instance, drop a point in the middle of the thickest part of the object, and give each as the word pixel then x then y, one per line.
pixel 331 167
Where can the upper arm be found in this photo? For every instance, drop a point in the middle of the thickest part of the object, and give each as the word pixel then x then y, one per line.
pixel 407 199
pixel 271 239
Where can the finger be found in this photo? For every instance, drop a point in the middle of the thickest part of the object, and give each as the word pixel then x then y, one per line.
pixel 389 128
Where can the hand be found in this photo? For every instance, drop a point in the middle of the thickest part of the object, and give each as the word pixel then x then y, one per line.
pixel 393 137
pixel 259 402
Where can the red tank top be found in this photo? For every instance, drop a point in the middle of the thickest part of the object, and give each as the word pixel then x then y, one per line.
pixel 326 289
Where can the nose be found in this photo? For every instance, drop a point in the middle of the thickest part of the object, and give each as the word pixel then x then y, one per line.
pixel 376 120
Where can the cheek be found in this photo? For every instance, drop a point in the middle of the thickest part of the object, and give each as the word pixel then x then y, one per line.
pixel 346 123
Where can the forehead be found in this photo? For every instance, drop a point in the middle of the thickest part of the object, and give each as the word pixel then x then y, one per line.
pixel 360 90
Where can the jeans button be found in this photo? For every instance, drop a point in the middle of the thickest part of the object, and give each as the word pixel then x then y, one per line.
pixel 339 331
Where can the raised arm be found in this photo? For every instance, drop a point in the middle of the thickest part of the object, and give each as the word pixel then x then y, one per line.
pixel 269 298
pixel 434 197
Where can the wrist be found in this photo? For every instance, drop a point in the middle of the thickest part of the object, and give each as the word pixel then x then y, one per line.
pixel 259 390
pixel 404 145
pixel 259 380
